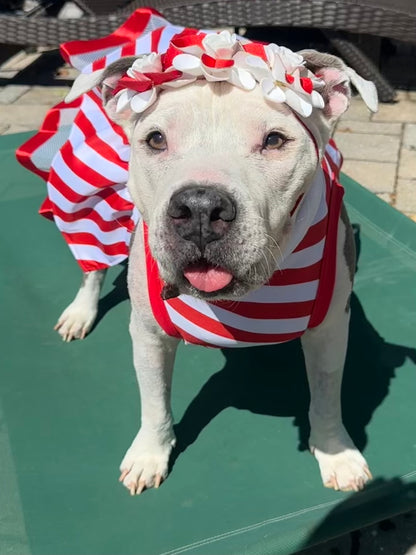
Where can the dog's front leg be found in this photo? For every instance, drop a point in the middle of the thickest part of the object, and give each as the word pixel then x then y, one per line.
pixel 342 465
pixel 145 464
pixel 78 318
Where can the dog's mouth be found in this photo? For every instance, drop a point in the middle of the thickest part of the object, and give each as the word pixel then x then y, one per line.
pixel 207 277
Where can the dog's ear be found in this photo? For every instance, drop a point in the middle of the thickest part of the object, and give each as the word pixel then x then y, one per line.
pixel 106 79
pixel 337 78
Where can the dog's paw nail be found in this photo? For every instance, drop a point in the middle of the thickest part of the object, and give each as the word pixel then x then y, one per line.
pixel 368 473
pixel 158 480
pixel 132 488
pixel 142 486
pixel 123 475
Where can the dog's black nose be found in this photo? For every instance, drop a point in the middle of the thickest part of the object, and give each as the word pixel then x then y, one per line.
pixel 201 214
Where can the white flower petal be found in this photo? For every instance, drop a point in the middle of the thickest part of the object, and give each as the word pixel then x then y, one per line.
pixel 254 64
pixel 216 74
pixel 299 104
pixel 279 70
pixel 272 92
pixel 150 63
pixel 187 64
pixel 123 99
pixel 317 100
pixel 242 78
pixel 141 101
pixel 193 49
pixel 290 58
pixel 267 85
pixel 220 45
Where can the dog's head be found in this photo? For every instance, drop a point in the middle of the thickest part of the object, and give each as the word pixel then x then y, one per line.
pixel 216 169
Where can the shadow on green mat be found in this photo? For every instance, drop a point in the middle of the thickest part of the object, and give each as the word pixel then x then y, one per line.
pixel 396 495
pixel 249 382
pixel 117 295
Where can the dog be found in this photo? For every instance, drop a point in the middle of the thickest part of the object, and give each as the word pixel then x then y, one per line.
pixel 243 237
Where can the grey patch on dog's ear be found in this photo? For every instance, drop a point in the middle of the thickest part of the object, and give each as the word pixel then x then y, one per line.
pixel 337 77
pixel 112 74
pixel 84 83
pixel 87 81
pixel 316 60
pixel 106 79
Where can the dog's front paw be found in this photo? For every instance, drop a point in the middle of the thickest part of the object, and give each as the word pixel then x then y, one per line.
pixel 346 470
pixel 145 465
pixel 76 321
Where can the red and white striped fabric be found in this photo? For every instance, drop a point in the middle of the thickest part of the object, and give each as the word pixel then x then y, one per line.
pixel 297 296
pixel 84 156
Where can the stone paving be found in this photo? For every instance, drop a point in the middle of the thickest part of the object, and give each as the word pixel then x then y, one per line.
pixel 379 152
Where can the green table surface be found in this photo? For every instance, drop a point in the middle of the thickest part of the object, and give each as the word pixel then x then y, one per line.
pixel 242 481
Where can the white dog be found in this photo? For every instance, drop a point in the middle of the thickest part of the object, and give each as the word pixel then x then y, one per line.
pixel 244 238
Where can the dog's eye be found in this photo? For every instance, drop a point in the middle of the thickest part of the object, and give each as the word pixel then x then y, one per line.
pixel 156 140
pixel 274 141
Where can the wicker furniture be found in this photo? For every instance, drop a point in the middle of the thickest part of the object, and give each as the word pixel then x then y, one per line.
pixel 382 18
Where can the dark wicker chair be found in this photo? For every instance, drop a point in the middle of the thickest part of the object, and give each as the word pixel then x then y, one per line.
pixel 381 18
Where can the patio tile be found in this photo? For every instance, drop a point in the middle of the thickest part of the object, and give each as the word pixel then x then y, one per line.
pixel 409 135
pixel 386 197
pixel 406 195
pixel 407 163
pixel 404 111
pixel 378 177
pixel 11 93
pixel 43 95
pixel 370 127
pixel 27 116
pixel 362 146
pixel 358 110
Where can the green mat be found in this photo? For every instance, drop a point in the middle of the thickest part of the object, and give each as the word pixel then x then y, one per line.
pixel 241 480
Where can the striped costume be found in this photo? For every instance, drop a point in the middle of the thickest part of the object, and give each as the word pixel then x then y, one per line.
pixel 84 156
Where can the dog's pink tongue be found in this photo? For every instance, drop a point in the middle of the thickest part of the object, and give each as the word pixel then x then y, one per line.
pixel 206 277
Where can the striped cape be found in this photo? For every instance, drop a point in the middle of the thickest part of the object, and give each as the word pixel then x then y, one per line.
pixel 297 296
pixel 83 156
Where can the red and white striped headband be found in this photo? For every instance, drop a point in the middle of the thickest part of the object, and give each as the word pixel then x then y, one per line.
pixel 191 55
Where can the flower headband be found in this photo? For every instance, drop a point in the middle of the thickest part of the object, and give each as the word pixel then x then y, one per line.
pixel 223 56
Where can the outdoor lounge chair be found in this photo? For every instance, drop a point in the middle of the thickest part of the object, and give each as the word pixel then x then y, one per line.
pixel 238 483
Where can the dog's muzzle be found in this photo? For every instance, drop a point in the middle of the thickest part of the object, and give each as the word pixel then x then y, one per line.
pixel 201 214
